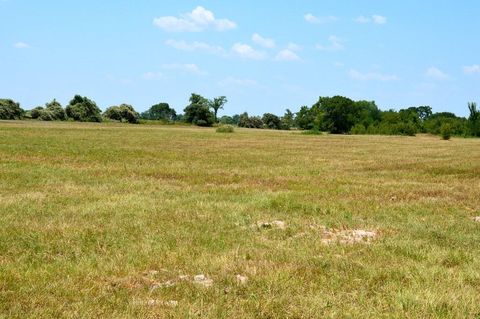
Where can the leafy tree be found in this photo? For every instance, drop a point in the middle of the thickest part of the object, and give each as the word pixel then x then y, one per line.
pixel 198 111
pixel 446 131
pixel 160 111
pixel 231 120
pixel 52 111
pixel 250 121
pixel 305 118
pixel 474 119
pixel 122 113
pixel 10 110
pixel 83 109
pixel 271 121
pixel 217 104
pixel 338 113
pixel 287 120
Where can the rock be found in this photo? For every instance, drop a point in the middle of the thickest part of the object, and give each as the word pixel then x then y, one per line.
pixel 203 281
pixel 184 277
pixel 242 280
pixel 476 219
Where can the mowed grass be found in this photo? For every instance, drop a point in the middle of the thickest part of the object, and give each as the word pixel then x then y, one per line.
pixel 93 216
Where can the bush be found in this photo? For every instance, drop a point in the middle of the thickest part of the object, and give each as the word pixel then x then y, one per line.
pixel 83 109
pixel 10 110
pixel 358 129
pixel 53 111
pixel 446 131
pixel 225 129
pixel 122 113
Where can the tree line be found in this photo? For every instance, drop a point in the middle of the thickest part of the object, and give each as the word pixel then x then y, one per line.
pixel 336 115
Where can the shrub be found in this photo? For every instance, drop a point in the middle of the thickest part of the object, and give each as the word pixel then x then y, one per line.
pixel 225 129
pixel 83 109
pixel 122 113
pixel 446 131
pixel 10 110
pixel 358 129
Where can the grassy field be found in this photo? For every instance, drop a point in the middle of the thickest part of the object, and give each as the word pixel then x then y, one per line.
pixel 114 221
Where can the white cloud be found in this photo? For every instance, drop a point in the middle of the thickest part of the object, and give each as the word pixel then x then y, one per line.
pixel 247 52
pixel 264 42
pixel 198 20
pixel 235 82
pixel 371 76
pixel 287 55
pixel 336 44
pixel 21 45
pixel 310 18
pixel 376 19
pixel 436 74
pixel 362 19
pixel 153 76
pixel 471 69
pixel 188 68
pixel 294 47
pixel 195 46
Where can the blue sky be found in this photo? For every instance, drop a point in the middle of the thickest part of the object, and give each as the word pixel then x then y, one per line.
pixel 265 56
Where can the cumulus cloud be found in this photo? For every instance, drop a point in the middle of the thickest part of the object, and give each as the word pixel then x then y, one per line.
pixel 21 45
pixel 287 55
pixel 471 69
pixel 336 44
pixel 264 42
pixel 247 52
pixel 436 74
pixel 199 19
pixel 371 76
pixel 195 46
pixel 310 18
pixel 376 19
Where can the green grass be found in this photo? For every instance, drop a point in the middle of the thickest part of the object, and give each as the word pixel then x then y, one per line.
pixel 88 212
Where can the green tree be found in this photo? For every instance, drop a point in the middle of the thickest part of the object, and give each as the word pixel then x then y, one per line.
pixel 122 113
pixel 10 110
pixel 287 120
pixel 305 118
pixel 198 111
pixel 217 104
pixel 338 114
pixel 160 111
pixel 271 121
pixel 83 109
pixel 474 119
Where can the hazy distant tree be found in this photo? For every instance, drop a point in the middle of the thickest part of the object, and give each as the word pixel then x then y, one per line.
pixel 160 111
pixel 10 110
pixel 198 111
pixel 217 104
pixel 83 109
